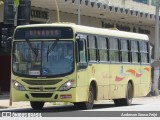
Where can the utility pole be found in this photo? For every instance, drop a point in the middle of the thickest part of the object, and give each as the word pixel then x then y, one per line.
pixel 79 12
pixel 15 9
pixel 156 52
pixel 58 18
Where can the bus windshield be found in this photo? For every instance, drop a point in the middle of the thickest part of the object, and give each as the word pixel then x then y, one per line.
pixel 43 58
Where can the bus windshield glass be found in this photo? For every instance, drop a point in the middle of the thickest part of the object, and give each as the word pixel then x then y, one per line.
pixel 47 58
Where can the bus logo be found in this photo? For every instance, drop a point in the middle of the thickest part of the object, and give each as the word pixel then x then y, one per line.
pixel 41 89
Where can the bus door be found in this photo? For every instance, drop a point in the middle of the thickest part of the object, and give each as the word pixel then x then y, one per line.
pixel 82 75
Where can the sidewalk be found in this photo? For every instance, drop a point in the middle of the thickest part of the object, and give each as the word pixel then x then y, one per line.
pixel 4 103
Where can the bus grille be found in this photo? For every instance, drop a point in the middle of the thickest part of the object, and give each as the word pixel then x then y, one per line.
pixel 42 89
pixel 41 95
pixel 42 82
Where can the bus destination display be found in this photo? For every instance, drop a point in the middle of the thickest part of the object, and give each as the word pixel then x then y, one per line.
pixel 44 33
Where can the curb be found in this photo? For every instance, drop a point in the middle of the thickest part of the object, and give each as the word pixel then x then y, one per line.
pixel 4 95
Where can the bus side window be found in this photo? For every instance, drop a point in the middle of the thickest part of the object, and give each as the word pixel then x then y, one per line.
pixel 113 50
pixel 92 48
pixel 102 49
pixel 144 52
pixel 81 54
pixel 124 51
pixel 134 51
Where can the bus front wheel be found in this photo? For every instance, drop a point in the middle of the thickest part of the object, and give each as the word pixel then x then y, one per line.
pixel 37 105
pixel 89 103
pixel 125 101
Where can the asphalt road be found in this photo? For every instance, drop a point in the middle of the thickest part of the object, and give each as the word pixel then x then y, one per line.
pixel 142 106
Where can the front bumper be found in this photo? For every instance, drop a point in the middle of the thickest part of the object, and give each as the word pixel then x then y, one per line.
pixel 73 95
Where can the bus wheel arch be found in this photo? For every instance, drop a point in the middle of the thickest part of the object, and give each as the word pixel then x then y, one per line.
pixel 132 83
pixel 129 92
pixel 92 92
pixel 89 103
pixel 128 97
pixel 94 84
pixel 36 105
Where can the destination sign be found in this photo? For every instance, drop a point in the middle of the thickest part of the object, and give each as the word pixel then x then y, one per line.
pixel 43 33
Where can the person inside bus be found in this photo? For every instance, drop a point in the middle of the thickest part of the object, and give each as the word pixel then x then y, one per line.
pixel 69 55
pixel 57 54
pixel 60 53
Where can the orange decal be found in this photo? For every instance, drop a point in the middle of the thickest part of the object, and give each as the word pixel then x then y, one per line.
pixel 148 69
pixel 132 71
pixel 119 78
pixel 138 75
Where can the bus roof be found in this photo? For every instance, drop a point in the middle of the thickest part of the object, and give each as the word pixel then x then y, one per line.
pixel 93 30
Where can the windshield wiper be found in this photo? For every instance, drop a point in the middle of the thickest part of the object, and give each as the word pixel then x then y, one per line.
pixel 49 50
pixel 35 51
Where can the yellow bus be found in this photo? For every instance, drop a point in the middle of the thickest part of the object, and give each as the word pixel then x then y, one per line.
pixel 72 63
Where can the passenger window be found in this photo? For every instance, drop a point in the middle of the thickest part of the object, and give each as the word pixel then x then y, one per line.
pixel 143 46
pixel 124 51
pixel 102 49
pixel 114 53
pixel 92 49
pixel 144 52
pixel 134 51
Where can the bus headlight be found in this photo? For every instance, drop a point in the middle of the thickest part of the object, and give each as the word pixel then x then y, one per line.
pixel 18 86
pixel 67 85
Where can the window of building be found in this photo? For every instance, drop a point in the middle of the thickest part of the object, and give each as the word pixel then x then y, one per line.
pixel 102 49
pixel 113 50
pixel 142 1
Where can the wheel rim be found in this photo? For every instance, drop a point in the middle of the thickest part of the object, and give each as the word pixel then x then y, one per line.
pixel 130 96
pixel 90 98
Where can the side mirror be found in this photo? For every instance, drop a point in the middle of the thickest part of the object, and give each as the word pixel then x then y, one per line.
pixel 9 39
pixel 8 44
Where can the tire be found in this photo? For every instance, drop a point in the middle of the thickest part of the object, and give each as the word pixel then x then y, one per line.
pixel 125 101
pixel 89 104
pixel 37 105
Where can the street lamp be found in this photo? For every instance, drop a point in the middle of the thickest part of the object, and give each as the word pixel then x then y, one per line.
pixel 58 18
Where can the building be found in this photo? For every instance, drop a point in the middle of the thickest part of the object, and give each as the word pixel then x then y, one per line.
pixel 127 15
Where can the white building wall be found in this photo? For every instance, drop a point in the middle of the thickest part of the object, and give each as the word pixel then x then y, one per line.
pixel 91 21
pixel 130 4
pixel 85 20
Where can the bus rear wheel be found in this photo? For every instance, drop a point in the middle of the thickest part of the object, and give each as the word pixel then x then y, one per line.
pixel 89 103
pixel 128 100
pixel 37 105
